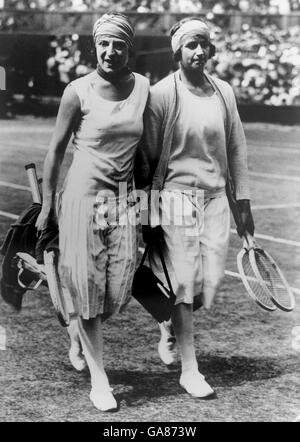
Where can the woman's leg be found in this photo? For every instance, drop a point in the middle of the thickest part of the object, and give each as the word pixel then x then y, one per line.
pixel 180 247
pixel 182 321
pixel 191 379
pixel 167 344
pixel 75 352
pixel 91 337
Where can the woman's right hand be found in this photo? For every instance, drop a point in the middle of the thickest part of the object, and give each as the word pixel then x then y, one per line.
pixel 43 219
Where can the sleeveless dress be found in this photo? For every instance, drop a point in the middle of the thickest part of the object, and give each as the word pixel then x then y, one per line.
pixel 97 252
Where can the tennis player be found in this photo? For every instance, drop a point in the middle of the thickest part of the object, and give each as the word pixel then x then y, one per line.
pixel 104 112
pixel 194 142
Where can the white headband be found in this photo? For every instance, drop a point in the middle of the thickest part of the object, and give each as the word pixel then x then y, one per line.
pixel 190 27
pixel 115 26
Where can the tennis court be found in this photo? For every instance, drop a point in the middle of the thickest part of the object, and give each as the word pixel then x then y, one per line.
pixel 246 353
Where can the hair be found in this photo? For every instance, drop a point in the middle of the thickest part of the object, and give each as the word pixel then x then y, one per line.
pixel 176 26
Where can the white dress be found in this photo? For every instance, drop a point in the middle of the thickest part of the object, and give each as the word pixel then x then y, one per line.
pixel 97 261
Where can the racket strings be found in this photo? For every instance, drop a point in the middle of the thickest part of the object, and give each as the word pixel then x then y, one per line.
pixel 272 279
pixel 256 286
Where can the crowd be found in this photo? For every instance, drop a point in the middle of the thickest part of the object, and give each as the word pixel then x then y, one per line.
pixel 66 62
pixel 181 6
pixel 262 65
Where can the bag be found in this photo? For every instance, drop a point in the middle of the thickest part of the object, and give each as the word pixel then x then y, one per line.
pixel 21 237
pixel 150 291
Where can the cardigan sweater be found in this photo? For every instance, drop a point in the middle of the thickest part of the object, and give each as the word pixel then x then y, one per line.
pixel 159 121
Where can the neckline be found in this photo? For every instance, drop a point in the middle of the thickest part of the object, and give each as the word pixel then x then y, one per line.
pixel 190 92
pixel 204 97
pixel 118 101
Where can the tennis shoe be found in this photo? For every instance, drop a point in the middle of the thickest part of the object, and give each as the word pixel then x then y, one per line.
pixel 104 400
pixel 76 356
pixel 195 384
pixel 167 344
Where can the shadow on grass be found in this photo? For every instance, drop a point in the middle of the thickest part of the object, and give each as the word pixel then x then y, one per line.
pixel 237 370
pixel 219 371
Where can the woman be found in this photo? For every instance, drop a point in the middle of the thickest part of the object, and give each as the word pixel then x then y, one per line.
pixel 104 112
pixel 196 141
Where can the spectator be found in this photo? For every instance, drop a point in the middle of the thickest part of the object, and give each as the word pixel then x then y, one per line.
pixel 244 5
pixel 264 50
pixel 189 6
pixel 144 6
pixel 261 64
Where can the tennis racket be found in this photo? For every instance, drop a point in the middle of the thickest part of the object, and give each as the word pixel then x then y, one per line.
pixel 267 281
pixel 50 266
pixel 254 284
pixel 274 280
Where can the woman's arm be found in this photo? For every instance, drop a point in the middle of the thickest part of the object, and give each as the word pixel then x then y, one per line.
pixel 67 117
pixel 237 162
pixel 237 152
pixel 147 155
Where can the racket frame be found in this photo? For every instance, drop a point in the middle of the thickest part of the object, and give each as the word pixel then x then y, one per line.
pixel 247 249
pixel 283 280
pixel 50 266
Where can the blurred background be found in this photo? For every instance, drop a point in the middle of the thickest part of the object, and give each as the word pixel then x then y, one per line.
pixel 45 44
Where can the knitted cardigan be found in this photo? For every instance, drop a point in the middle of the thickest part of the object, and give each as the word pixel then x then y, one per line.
pixel 159 121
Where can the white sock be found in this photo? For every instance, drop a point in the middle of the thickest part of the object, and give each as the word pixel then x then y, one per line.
pixel 91 337
pixel 74 334
pixel 188 367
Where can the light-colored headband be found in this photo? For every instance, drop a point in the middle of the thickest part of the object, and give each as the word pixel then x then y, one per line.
pixel 192 27
pixel 114 26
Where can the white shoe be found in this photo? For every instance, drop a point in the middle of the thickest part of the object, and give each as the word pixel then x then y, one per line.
pixel 104 400
pixel 167 343
pixel 76 357
pixel 195 384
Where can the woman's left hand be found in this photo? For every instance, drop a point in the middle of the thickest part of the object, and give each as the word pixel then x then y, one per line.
pixel 246 218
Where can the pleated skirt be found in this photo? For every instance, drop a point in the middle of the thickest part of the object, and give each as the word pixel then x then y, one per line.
pixel 97 259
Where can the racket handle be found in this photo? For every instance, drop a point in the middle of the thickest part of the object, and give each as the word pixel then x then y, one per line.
pixel 33 182
pixel 249 242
